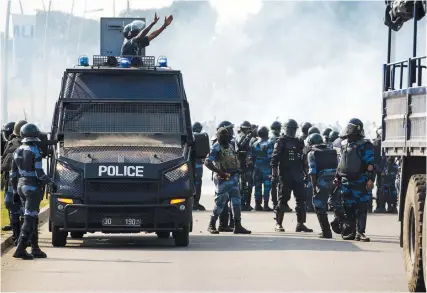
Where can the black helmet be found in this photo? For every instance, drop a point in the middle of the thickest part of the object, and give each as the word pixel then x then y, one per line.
pixel 132 29
pixel 327 131
pixel 290 127
pixel 7 130
pixel 30 133
pixel 276 126
pixel 314 139
pixel 18 126
pixel 197 127
pixel 246 124
pixel 333 135
pixel 263 132
pixel 313 129
pixel 354 128
pixel 305 127
pixel 226 124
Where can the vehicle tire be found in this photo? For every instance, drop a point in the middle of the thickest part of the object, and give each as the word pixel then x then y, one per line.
pixel 59 238
pixel 412 237
pixel 424 249
pixel 163 234
pixel 77 235
pixel 182 238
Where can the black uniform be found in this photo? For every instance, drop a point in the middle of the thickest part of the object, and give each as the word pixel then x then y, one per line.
pixel 287 156
pixel 27 181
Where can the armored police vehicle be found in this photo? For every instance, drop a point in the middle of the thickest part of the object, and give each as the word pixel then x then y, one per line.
pixel 404 136
pixel 125 152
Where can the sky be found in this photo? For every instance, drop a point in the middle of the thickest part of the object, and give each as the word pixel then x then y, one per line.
pixel 321 62
pixel 30 7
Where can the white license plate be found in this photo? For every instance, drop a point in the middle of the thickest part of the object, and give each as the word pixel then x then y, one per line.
pixel 130 222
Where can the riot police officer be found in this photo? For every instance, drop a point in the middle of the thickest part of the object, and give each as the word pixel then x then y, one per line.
pixel 197 128
pixel 6 132
pixel 355 175
pixel 261 153
pixel 322 164
pixel 333 135
pixel 304 130
pixel 223 161
pixel 313 129
pixel 287 158
pixel 326 133
pixel 389 184
pixel 275 127
pixel 226 221
pixel 379 167
pixel 14 208
pixel 243 150
pixel 27 180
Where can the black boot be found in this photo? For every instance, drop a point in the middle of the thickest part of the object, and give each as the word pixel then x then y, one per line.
pixel 301 217
pixel 16 228
pixel 324 225
pixel 266 207
pixel 350 236
pixel 361 237
pixel 238 228
pixel 21 251
pixel 279 220
pixel 7 228
pixel 258 206
pixel 35 249
pixel 212 225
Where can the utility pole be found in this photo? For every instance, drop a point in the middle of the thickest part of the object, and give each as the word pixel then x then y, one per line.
pixel 20 5
pixel 128 9
pixel 5 58
pixel 114 8
pixel 46 70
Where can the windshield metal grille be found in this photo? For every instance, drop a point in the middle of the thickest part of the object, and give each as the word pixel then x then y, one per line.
pixel 122 118
pixel 123 154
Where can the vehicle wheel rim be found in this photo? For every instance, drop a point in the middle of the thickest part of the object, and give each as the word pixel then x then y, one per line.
pixel 411 239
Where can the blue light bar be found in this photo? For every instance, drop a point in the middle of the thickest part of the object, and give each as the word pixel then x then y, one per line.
pixel 162 61
pixel 124 63
pixel 83 60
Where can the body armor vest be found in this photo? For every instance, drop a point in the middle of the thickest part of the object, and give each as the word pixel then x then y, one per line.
pixel 228 161
pixel 292 154
pixel 326 165
pixel 351 164
pixel 11 147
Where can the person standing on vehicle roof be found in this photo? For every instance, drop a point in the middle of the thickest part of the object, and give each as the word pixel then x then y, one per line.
pixel 136 37
pixel 287 159
pixel 223 161
pixel 322 164
pixel 27 179
pixel 355 175
pixel 197 128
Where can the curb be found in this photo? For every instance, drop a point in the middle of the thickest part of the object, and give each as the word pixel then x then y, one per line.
pixel 7 241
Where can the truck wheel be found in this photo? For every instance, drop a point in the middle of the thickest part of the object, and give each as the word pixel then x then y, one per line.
pixel 59 238
pixel 412 237
pixel 424 249
pixel 182 238
pixel 77 235
pixel 163 234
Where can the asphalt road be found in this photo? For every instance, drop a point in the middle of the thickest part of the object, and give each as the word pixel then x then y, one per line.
pixel 263 261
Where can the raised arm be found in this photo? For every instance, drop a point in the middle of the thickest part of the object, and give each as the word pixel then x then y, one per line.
pixel 154 34
pixel 147 29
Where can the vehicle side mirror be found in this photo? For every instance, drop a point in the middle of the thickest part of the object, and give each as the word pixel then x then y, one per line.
pixel 202 145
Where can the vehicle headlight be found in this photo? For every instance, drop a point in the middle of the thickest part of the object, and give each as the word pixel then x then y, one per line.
pixel 177 173
pixel 67 180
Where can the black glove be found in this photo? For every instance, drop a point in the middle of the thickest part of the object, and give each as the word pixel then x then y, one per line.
pixel 16 198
